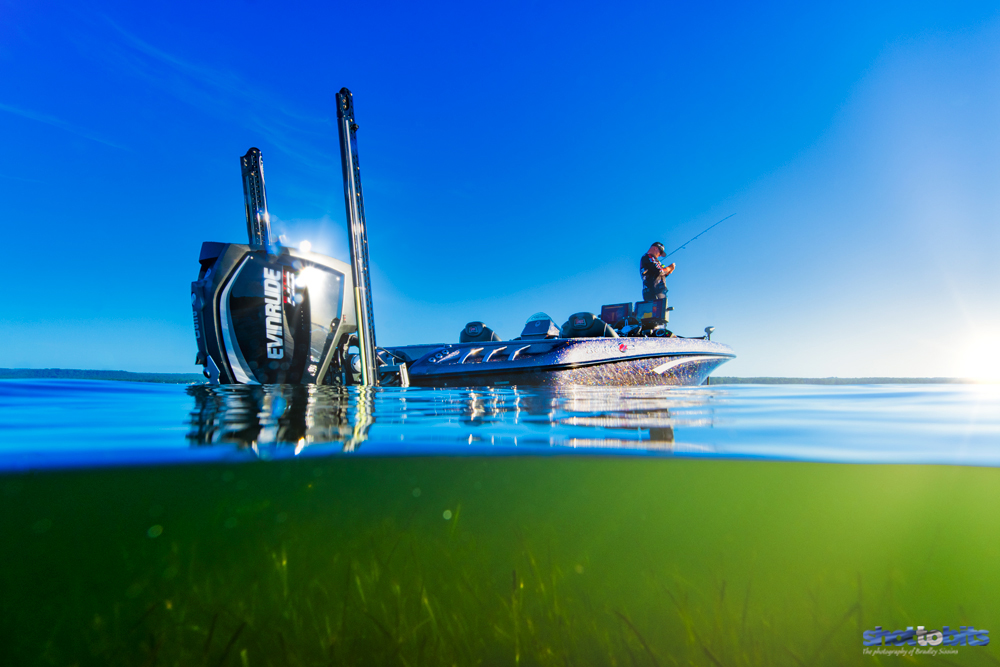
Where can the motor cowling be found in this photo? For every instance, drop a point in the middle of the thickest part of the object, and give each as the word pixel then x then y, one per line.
pixel 271 315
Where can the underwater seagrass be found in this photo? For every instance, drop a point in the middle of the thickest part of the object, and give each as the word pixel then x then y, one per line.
pixel 490 560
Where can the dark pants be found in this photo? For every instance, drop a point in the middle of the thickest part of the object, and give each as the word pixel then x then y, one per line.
pixel 654 293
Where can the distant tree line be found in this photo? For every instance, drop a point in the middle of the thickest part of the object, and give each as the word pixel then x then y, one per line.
pixel 872 380
pixel 185 378
pixel 74 374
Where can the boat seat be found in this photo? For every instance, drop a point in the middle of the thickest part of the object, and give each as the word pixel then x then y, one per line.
pixel 477 332
pixel 587 325
pixel 539 327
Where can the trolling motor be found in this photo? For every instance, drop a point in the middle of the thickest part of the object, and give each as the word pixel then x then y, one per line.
pixel 268 314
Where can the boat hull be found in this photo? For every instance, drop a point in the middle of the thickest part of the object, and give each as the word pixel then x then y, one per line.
pixel 624 362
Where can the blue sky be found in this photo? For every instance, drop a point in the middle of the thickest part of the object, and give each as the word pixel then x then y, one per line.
pixel 516 158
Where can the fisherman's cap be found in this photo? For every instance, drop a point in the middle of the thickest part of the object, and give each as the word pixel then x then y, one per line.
pixel 660 246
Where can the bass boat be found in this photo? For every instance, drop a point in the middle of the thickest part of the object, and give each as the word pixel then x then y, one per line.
pixel 269 314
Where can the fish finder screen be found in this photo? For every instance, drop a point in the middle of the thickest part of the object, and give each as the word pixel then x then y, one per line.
pixel 616 312
pixel 656 309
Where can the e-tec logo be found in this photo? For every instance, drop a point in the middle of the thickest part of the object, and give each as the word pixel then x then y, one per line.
pixel 273 313
pixel 964 636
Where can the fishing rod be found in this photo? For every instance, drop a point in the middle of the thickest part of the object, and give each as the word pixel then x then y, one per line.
pixel 689 241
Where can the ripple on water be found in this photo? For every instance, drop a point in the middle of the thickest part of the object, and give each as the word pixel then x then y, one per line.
pixel 69 423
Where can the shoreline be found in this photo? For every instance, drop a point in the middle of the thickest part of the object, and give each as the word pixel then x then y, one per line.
pixel 187 378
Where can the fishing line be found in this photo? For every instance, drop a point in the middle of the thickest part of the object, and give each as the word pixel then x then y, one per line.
pixel 692 239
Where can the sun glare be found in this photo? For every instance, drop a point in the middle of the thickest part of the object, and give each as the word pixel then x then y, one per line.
pixel 310 277
pixel 981 359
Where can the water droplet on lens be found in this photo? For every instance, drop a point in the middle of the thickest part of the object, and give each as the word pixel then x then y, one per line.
pixel 230 522
pixel 228 476
pixel 282 517
pixel 416 492
pixel 447 515
pixel 155 531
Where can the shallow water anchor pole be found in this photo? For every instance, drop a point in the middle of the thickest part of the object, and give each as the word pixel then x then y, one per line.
pixel 358 236
pixel 254 199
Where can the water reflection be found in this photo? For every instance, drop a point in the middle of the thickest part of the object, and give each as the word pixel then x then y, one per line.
pixel 299 416
pixel 252 415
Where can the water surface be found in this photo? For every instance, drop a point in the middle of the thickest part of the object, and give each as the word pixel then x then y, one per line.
pixel 59 423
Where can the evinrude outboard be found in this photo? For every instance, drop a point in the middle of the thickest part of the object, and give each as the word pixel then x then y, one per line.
pixel 269 314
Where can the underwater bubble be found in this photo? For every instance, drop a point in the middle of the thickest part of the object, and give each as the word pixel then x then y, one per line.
pixel 155 531
pixel 230 522
pixel 41 526
pixel 282 517
pixel 416 492
pixel 447 515
pixel 228 476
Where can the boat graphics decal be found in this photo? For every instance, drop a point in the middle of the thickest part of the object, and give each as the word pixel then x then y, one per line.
pixel 241 371
pixel 273 313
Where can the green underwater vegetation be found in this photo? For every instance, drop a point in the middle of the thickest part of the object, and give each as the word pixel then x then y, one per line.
pixel 547 560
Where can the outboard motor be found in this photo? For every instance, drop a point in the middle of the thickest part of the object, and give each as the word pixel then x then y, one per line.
pixel 266 314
